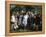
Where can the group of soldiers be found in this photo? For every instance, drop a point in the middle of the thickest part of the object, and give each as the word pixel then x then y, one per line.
pixel 26 21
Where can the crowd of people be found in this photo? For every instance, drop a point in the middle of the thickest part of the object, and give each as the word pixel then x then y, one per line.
pixel 26 21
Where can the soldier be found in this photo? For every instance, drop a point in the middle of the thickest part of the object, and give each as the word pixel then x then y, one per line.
pixel 14 21
pixel 25 19
pixel 30 21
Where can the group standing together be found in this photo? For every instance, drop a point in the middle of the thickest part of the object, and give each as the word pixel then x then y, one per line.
pixel 26 20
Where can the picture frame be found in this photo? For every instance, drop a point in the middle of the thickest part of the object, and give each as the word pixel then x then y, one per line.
pixel 7 18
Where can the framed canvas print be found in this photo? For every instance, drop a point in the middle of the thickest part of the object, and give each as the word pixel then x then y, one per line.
pixel 24 18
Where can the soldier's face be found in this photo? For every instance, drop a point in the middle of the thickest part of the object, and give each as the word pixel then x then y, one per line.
pixel 29 12
pixel 34 16
pixel 14 13
pixel 23 11
pixel 17 12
